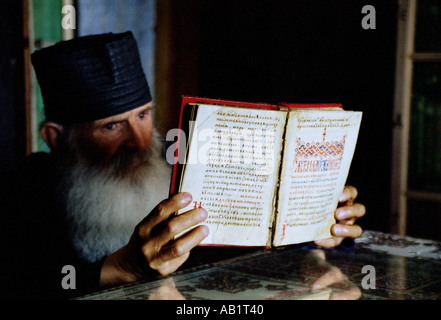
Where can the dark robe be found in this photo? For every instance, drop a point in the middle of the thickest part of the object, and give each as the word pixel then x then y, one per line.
pixel 34 240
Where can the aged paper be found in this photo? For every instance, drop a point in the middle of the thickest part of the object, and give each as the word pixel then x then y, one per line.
pixel 232 169
pixel 317 156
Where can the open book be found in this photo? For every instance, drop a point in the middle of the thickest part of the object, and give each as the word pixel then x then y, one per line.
pixel 268 175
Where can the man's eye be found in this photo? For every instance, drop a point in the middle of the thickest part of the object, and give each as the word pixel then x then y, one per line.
pixel 144 113
pixel 109 126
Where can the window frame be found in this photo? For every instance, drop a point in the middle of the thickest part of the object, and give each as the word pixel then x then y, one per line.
pixel 406 57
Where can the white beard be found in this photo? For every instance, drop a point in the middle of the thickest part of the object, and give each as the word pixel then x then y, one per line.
pixel 103 211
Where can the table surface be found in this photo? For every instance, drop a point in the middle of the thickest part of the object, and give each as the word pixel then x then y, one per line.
pixel 380 266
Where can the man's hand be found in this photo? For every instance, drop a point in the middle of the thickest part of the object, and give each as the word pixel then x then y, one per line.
pixel 346 214
pixel 152 249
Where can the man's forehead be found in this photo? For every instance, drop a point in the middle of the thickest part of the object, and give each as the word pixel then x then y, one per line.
pixel 124 115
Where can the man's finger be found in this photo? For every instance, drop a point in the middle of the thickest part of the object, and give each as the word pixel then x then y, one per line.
pixel 162 212
pixel 164 261
pixel 349 194
pixel 346 230
pixel 329 243
pixel 166 267
pixel 357 210
pixel 176 225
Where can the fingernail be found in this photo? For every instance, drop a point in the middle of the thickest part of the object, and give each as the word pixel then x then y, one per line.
pixel 339 230
pixel 340 214
pixel 203 213
pixel 186 197
pixel 205 230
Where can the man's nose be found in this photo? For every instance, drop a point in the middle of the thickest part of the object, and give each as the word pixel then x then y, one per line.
pixel 137 137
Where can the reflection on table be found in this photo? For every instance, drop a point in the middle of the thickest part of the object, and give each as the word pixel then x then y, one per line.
pixel 379 266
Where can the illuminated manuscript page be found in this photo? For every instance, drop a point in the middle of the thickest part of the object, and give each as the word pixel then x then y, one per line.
pixel 232 171
pixel 317 156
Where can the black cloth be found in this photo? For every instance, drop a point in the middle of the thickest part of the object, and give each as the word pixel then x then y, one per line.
pixel 34 241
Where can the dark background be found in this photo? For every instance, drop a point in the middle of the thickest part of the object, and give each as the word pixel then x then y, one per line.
pixel 260 50
pixel 311 51
pixel 12 114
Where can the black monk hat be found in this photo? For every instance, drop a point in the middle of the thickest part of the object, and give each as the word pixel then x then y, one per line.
pixel 92 77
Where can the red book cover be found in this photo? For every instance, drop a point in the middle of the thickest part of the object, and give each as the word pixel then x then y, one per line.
pixel 269 174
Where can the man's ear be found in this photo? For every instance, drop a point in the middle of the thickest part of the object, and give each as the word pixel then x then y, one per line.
pixel 51 133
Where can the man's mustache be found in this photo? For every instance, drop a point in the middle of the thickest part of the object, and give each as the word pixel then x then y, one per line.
pixel 125 158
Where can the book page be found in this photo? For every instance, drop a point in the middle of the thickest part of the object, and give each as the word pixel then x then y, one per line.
pixel 232 169
pixel 317 156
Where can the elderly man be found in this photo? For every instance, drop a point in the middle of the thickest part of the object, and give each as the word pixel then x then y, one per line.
pixel 93 201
